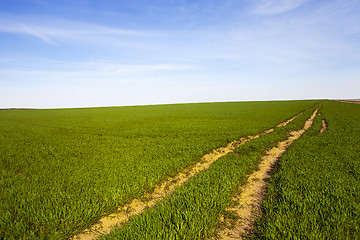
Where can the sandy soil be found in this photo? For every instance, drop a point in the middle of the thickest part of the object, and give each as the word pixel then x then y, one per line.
pixel 349 101
pixel 324 126
pixel 137 206
pixel 251 195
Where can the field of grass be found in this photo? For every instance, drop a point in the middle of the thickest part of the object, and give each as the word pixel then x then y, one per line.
pixel 194 209
pixel 315 190
pixel 61 170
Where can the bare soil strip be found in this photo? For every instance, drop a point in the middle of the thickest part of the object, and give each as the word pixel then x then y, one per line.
pixel 324 126
pixel 349 101
pixel 251 195
pixel 137 206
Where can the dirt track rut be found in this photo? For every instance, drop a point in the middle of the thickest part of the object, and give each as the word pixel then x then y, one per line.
pixel 349 101
pixel 252 193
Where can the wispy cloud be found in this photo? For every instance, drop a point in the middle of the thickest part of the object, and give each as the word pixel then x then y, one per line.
pixel 51 30
pixel 87 69
pixel 273 7
pixel 25 29
pixel 6 60
pixel 127 69
pixel 308 37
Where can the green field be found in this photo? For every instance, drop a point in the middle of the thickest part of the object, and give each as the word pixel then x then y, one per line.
pixel 63 169
pixel 194 209
pixel 315 191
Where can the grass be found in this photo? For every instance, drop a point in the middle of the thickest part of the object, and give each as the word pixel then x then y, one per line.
pixel 61 170
pixel 315 191
pixel 194 209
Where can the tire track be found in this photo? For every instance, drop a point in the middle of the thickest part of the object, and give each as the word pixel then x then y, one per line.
pixel 251 195
pixel 349 101
pixel 324 126
pixel 138 205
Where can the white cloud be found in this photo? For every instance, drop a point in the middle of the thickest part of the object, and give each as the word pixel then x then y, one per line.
pixel 80 71
pixel 6 60
pixel 51 29
pixel 39 34
pixel 273 7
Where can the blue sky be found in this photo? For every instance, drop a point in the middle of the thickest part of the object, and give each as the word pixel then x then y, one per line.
pixel 63 53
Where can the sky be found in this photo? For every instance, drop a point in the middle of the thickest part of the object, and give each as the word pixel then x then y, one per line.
pixel 89 53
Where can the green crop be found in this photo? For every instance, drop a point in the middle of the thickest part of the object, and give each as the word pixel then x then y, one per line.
pixel 315 191
pixel 62 170
pixel 194 209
